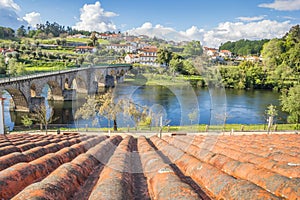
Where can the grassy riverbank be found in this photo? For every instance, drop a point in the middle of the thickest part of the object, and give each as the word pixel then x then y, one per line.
pixel 163 79
pixel 187 129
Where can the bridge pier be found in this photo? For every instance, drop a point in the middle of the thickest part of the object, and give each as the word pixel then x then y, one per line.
pixel 69 94
pixel 36 102
pixel 93 89
pixel 109 81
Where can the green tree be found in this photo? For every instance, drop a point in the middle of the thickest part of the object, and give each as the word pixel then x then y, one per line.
pixel 193 49
pixel 94 38
pixel 164 56
pixel 272 53
pixel 110 108
pixel 88 110
pixel 21 32
pixel 15 67
pixel 193 115
pixel 139 114
pixel 290 103
pixel 2 65
pixel 26 121
pixel 271 113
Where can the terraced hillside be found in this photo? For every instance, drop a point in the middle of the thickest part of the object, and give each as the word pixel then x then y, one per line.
pixel 75 166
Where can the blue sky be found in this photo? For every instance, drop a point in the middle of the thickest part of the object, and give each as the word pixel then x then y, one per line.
pixel 212 22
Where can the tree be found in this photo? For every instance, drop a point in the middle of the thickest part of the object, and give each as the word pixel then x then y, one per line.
pixel 21 32
pixel 104 105
pixel 94 38
pixel 193 115
pixel 137 112
pixel 109 108
pixel 290 103
pixel 271 112
pixel 42 116
pixel 15 68
pixel 2 64
pixel 26 121
pixel 164 56
pixel 193 49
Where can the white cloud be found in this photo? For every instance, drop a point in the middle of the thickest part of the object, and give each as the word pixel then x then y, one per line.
pixel 167 33
pixel 249 19
pixel 33 18
pixel 228 31
pixel 94 18
pixel 9 4
pixel 283 5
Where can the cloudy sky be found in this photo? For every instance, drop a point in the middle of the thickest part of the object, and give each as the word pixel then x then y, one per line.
pixel 212 22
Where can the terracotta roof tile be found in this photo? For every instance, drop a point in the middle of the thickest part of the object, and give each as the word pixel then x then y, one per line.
pixel 74 166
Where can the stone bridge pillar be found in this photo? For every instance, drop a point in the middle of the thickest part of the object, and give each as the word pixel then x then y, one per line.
pixel 36 102
pixel 109 81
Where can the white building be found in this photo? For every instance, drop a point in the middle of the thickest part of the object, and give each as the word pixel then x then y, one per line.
pixel 122 47
pixel 148 56
pixel 132 58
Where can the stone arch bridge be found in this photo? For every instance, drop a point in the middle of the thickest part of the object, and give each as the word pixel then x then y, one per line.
pixel 26 90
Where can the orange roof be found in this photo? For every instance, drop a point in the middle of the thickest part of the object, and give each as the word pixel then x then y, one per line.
pixel 225 51
pixel 84 47
pixel 70 166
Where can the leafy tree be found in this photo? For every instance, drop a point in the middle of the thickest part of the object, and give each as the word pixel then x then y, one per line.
pixel 138 113
pixel 109 108
pixel 193 48
pixel 21 32
pixel 271 112
pixel 2 64
pixel 176 65
pixel 26 121
pixel 94 38
pixel 6 32
pixel 193 115
pixel 88 110
pixel 272 53
pixel 15 68
pixel 244 47
pixel 164 56
pixel 290 103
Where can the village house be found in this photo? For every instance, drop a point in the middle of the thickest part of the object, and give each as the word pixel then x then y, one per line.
pixel 85 49
pixel 210 51
pixel 121 47
pixel 132 58
pixel 148 56
pixel 225 54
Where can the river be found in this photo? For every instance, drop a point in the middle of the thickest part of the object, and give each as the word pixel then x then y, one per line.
pixel 175 103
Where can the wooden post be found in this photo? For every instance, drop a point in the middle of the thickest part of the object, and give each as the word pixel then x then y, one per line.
pixel 2 129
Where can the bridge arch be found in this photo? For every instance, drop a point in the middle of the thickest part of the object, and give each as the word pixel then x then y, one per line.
pixel 19 100
pixel 80 85
pixel 67 84
pixel 55 91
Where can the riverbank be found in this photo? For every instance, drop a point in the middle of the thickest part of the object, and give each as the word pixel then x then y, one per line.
pixel 163 79
pixel 236 129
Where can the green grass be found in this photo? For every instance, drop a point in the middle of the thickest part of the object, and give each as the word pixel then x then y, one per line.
pixel 60 51
pixel 162 79
pixel 196 128
pixel 48 67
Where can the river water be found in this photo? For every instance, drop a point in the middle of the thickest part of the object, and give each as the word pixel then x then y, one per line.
pixel 174 103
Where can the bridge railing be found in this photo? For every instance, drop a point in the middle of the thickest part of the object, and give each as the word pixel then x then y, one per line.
pixel 51 73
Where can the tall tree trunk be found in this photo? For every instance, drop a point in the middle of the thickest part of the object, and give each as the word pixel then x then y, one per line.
pixel 115 125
